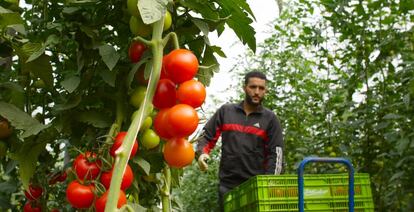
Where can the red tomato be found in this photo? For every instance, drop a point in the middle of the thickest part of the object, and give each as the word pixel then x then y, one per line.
pixel 34 192
pixel 165 94
pixel 181 65
pixel 87 166
pixel 182 120
pixel 80 196
pixel 119 138
pixel 136 50
pixel 101 201
pixel 163 71
pixel 58 177
pixel 127 179
pixel 32 207
pixel 178 152
pixel 140 76
pixel 5 129
pixel 191 92
pixel 160 124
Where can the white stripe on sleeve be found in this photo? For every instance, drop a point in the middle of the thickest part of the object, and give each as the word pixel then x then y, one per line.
pixel 279 160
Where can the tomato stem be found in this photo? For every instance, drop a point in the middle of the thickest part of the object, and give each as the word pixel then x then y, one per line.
pixel 142 40
pixel 145 108
pixel 165 192
pixel 171 36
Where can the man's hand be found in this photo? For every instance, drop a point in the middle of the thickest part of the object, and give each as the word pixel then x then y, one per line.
pixel 202 162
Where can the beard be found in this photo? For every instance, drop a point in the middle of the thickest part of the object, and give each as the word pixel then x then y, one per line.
pixel 249 100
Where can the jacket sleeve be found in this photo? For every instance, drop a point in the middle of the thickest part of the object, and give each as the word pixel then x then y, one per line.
pixel 211 133
pixel 275 148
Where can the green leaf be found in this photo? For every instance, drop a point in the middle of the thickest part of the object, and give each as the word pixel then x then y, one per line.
pixel 109 76
pixel 239 21
pixel 41 68
pixel 209 66
pixel 392 116
pixel 109 55
pixel 40 51
pixel 402 144
pixel 203 26
pixel 20 120
pixel 152 10
pixel 217 50
pixel 95 118
pixel 27 158
pixel 18 28
pixel 70 83
pixel 70 103
pixel 8 187
pixel 8 17
pixel 143 164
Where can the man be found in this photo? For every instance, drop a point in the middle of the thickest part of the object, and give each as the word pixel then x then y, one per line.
pixel 252 140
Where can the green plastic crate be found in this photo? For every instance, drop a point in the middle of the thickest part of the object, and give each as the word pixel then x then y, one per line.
pixel 322 192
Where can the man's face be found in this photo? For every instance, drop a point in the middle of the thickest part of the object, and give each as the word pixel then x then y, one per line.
pixel 255 91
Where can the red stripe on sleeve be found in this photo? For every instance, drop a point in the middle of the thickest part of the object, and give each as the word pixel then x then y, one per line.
pixel 212 143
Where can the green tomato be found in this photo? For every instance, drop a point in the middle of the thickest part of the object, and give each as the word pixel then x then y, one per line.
pixel 39 84
pixel 132 6
pixel 147 123
pixel 332 154
pixel 329 149
pixel 138 96
pixel 137 27
pixel 150 139
pixel 167 21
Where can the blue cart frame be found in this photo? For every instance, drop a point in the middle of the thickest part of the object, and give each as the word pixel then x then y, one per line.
pixel 344 161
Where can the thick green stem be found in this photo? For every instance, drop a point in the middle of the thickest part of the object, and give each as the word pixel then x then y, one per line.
pixel 166 200
pixel 124 151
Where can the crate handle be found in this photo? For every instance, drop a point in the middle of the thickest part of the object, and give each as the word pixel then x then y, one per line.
pixel 326 160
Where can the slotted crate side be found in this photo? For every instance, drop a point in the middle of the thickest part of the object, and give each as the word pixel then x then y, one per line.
pixel 282 192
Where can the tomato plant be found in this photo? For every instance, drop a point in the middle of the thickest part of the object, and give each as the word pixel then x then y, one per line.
pixel 165 94
pixel 32 207
pixel 68 89
pixel 101 201
pixel 160 124
pixel 127 179
pixel 191 92
pixel 80 196
pixel 182 120
pixel 118 142
pixel 178 152
pixel 136 50
pixel 5 129
pixel 87 166
pixel 34 192
pixel 181 65
pixel 150 139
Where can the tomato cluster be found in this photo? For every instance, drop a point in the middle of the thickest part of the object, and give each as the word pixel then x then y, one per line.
pixel 82 193
pixel 176 97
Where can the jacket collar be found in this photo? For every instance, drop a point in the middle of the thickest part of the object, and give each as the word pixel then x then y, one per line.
pixel 259 108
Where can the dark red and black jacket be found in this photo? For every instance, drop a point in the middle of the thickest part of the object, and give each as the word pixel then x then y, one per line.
pixel 251 145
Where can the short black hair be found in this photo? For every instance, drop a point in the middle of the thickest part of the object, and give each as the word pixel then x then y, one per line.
pixel 252 74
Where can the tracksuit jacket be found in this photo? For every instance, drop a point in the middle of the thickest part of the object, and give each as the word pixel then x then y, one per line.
pixel 251 145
